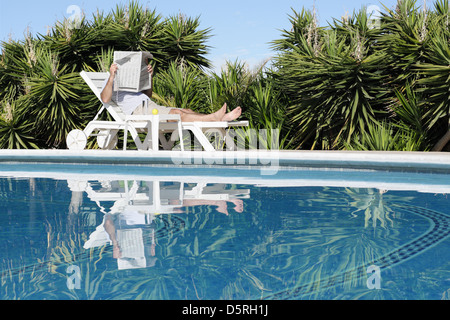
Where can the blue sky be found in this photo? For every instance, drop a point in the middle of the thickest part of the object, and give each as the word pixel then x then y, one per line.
pixel 240 29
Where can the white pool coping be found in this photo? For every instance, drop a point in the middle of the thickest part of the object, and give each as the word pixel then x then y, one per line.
pixel 354 159
pixel 382 170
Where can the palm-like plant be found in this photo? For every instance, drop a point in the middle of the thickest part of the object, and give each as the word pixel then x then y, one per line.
pixel 75 44
pixel 418 42
pixel 131 28
pixel 405 36
pixel 434 82
pixel 385 137
pixel 342 81
pixel 266 111
pixel 304 31
pixel 16 131
pixel 411 116
pixel 55 91
pixel 335 91
pixel 181 39
pixel 180 86
pixel 16 64
pixel 233 84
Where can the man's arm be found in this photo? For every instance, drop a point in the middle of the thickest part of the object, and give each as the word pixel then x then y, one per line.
pixel 149 92
pixel 106 94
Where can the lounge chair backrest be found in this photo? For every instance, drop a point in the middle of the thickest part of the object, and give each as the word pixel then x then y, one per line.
pixel 95 81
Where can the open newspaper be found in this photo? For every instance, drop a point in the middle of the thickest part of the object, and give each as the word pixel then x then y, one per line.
pixel 132 74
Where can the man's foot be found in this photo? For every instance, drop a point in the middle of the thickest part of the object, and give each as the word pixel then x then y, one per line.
pixel 219 114
pixel 232 115
pixel 238 205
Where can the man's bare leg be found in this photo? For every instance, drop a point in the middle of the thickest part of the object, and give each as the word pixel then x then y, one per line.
pixel 221 111
pixel 189 115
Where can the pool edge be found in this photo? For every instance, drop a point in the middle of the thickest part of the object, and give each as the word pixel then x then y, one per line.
pixel 345 159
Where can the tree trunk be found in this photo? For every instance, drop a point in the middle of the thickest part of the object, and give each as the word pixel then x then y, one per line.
pixel 442 142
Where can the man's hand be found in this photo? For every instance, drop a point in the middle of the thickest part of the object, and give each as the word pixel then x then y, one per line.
pixel 150 69
pixel 113 70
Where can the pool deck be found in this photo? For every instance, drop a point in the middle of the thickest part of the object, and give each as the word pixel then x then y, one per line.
pixel 433 161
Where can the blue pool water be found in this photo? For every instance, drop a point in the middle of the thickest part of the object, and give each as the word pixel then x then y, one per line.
pixel 222 233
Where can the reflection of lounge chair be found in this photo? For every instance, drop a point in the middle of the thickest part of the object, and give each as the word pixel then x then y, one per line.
pixel 204 191
pixel 157 126
pixel 157 197
pixel 136 204
pixel 106 131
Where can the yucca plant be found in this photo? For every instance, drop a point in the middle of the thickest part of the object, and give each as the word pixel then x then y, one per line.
pixel 303 35
pixel 342 80
pixel 131 28
pixel 103 61
pixel 16 66
pixel 359 28
pixel 385 137
pixel 411 117
pixel 418 43
pixel 405 37
pixel 434 82
pixel 16 131
pixel 75 44
pixel 180 86
pixel 55 92
pixel 181 39
pixel 232 85
pixel 334 92
pixel 266 111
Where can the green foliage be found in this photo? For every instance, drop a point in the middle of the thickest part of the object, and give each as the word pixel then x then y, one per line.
pixel 343 82
pixel 55 91
pixel 181 40
pixel 180 86
pixel 16 132
pixel 385 137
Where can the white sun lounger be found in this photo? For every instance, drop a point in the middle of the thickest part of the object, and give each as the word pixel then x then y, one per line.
pixel 106 131
pixel 155 125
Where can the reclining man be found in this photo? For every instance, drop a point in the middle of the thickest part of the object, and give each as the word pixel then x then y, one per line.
pixel 133 103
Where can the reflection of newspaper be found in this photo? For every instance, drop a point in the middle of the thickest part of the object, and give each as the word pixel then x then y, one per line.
pixel 131 245
pixel 132 74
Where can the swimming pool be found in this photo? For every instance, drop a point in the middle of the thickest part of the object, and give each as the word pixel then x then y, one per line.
pixel 158 231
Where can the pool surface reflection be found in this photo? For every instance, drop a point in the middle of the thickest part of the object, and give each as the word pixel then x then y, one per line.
pixel 197 236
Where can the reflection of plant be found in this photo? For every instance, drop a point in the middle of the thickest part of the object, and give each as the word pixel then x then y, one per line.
pixel 317 236
pixel 66 252
pixel 335 265
pixel 20 283
pixel 371 202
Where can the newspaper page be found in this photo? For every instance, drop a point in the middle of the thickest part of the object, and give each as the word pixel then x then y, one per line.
pixel 132 74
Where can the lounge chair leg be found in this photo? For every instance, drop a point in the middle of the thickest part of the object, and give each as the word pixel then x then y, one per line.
pixel 125 137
